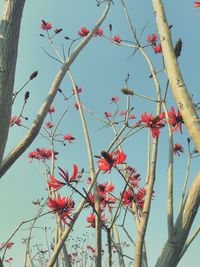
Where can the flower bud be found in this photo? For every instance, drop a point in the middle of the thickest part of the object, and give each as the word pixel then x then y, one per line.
pixel 33 75
pixel 26 96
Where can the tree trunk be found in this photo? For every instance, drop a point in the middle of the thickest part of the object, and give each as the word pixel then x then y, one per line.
pixel 171 253
pixel 9 38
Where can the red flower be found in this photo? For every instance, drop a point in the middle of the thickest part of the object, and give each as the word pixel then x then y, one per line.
pixel 115 99
pixel 54 183
pixel 116 39
pixel 91 248
pixel 42 153
pixel 90 200
pixel 177 148
pixel 132 117
pixel 89 180
pixel 108 114
pixel 91 219
pixel 83 32
pixel 120 158
pixel 106 187
pixel 157 49
pixel 76 106
pixel 152 39
pixel 108 160
pixel 123 112
pixel 109 200
pixel 51 109
pixel 63 206
pixel 46 25
pixel 176 120
pixel 65 175
pixel 140 196
pixel 134 177
pixel 15 120
pixel 69 138
pixel 99 32
pixel 153 122
pixel 8 244
pixel 128 197
pixel 197 4
pixel 9 260
pixel 79 90
pixel 49 125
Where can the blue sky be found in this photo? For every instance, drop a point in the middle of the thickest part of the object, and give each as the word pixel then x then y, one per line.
pixel 100 69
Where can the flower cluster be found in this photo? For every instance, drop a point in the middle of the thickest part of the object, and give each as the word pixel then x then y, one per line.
pixel 79 90
pixel 153 122
pixel 57 184
pixel 106 200
pixel 175 119
pixel 83 32
pixel 63 206
pixel 42 154
pixel 116 39
pixel 197 4
pixel 69 138
pixel 91 219
pixel 177 149
pixel 152 39
pixel 8 244
pixel 46 25
pixel 109 160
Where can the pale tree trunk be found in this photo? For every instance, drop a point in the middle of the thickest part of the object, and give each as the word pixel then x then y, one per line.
pixel 9 38
pixel 172 252
pixel 177 84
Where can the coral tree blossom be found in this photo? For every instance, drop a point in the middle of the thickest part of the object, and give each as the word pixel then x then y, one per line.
pixel 8 244
pixel 42 153
pixel 108 114
pixel 153 122
pixel 63 206
pixel 175 119
pixel 79 90
pixel 91 219
pixel 109 160
pixel 49 125
pixel 197 4
pixel 177 149
pixel 99 33
pixel 69 138
pixel 46 25
pixel 54 183
pixel 157 49
pixel 152 39
pixel 76 106
pixel 83 32
pixel 116 39
pixel 15 120
pixel 115 99
pixel 51 109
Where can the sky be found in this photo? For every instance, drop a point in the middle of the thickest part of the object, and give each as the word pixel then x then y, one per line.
pixel 100 70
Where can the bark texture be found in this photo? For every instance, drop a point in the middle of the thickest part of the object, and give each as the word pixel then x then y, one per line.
pixel 177 83
pixel 172 252
pixel 9 38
